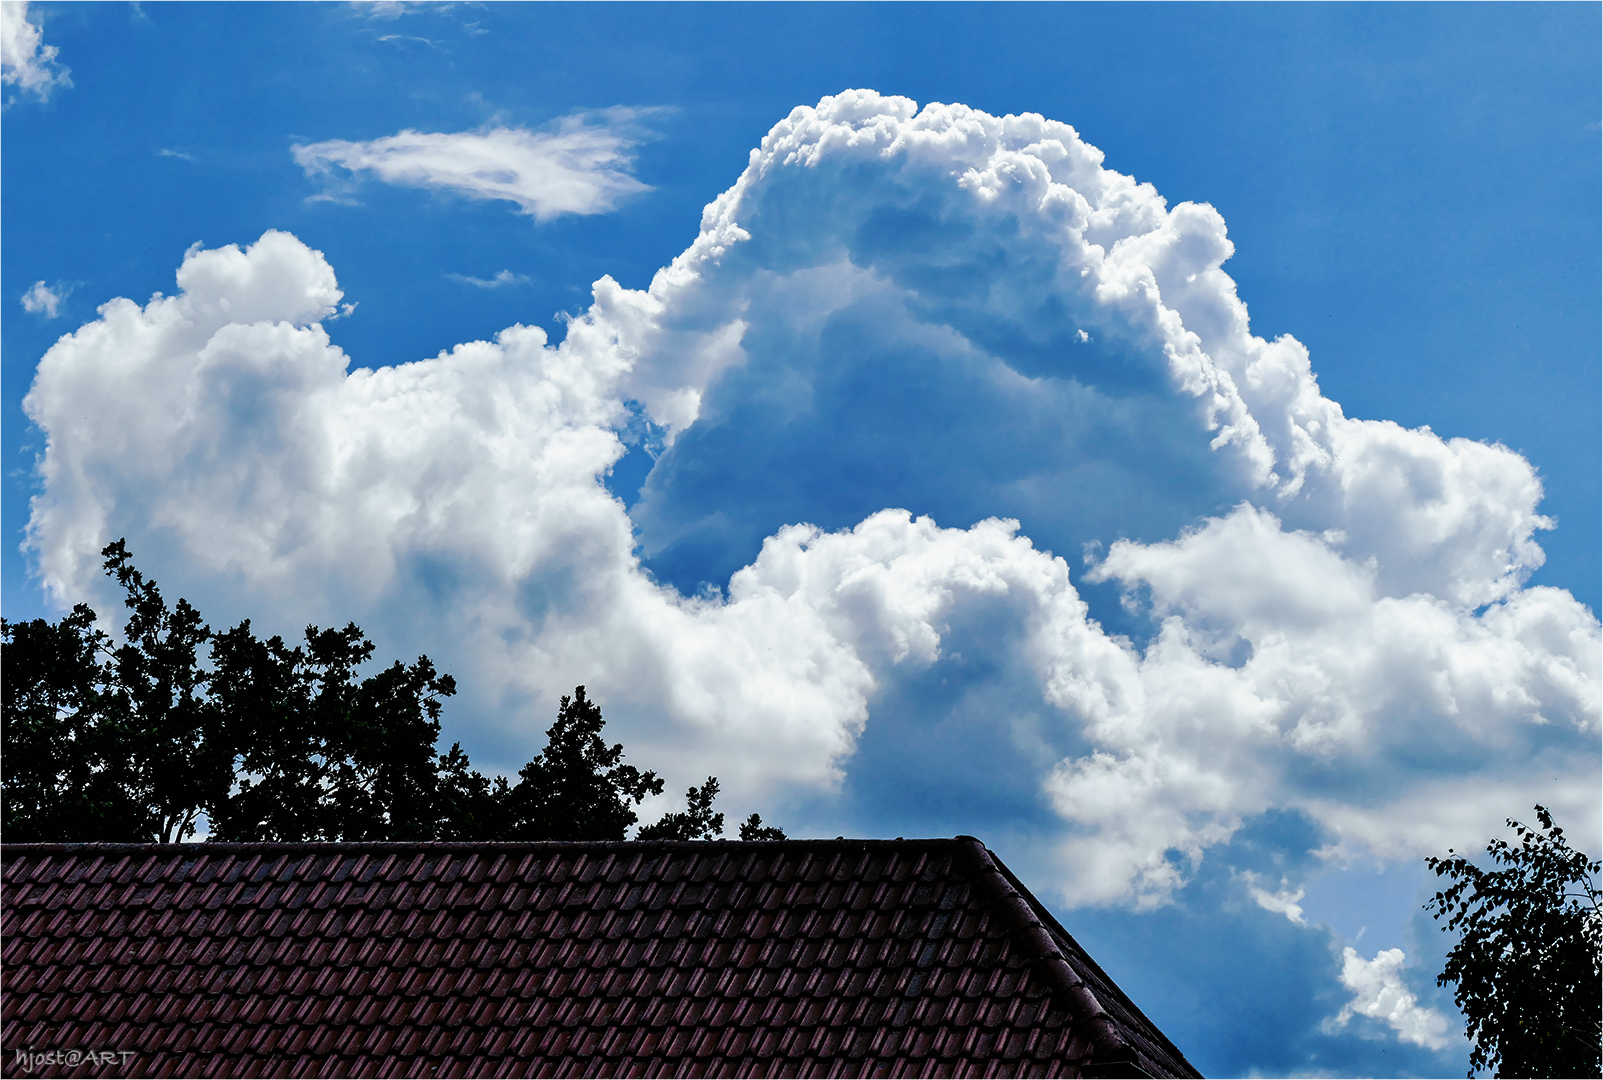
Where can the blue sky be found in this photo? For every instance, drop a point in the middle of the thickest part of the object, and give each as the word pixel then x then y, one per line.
pixel 940 483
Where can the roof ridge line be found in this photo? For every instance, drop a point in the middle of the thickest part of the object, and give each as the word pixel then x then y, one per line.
pixel 1061 934
pixel 287 847
pixel 999 891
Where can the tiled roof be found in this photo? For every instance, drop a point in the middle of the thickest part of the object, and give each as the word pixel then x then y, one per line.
pixel 779 958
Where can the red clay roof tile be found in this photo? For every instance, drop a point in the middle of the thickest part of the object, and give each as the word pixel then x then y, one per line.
pixel 788 958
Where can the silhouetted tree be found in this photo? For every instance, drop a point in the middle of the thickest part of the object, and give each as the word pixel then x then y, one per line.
pixel 138 741
pixel 754 829
pixel 698 822
pixel 1529 961
pixel 156 708
pixel 63 774
pixel 104 743
pixel 577 788
pixel 695 822
pixel 324 756
pixel 471 805
pixel 271 742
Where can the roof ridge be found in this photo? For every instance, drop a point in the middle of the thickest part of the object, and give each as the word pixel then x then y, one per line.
pixel 1057 930
pixel 288 847
pixel 997 888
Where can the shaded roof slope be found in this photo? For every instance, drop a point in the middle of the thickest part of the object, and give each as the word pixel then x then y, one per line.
pixel 793 958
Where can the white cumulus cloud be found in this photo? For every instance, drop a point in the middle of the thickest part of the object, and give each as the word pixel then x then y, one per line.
pixel 955 344
pixel 25 60
pixel 1283 901
pixel 41 299
pixel 582 167
pixel 1378 991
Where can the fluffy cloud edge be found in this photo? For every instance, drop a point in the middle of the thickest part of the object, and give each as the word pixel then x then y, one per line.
pixel 1379 992
pixel 488 460
pixel 25 60
pixel 42 299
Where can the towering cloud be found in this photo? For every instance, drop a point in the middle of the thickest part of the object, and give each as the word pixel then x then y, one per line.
pixel 912 354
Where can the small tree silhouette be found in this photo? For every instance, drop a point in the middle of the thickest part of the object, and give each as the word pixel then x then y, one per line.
pixel 1529 961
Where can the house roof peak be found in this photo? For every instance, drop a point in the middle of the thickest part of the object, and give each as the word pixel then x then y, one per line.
pixel 809 957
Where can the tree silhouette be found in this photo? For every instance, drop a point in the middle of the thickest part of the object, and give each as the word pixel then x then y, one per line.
pixel 696 822
pixel 139 741
pixel 156 708
pixel 324 756
pixel 1529 961
pixel 66 776
pixel 271 742
pixel 471 805
pixel 577 788
pixel 754 829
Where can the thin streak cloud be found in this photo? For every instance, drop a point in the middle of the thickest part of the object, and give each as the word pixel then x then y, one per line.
pixel 582 167
pixel 500 280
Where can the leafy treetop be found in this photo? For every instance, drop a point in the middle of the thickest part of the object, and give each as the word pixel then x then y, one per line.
pixel 1529 961
pixel 269 742
pixel 577 789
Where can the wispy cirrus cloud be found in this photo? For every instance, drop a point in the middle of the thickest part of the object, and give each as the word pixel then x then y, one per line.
pixel 411 37
pixel 25 60
pixel 500 280
pixel 394 9
pixel 581 167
